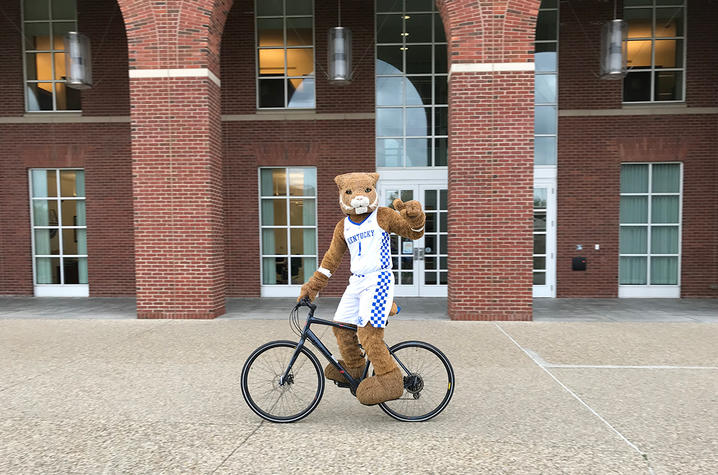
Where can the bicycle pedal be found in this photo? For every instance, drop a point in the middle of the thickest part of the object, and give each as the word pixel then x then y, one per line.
pixel 341 385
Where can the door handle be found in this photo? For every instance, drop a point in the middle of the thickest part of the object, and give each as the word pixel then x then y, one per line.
pixel 418 253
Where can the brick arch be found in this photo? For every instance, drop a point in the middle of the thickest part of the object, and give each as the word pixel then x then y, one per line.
pixel 175 33
pixel 483 31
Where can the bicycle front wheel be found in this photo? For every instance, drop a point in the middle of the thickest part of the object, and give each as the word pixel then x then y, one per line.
pixel 428 382
pixel 297 397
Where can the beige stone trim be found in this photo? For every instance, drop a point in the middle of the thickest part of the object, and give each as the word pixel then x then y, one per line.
pixel 678 109
pixel 295 115
pixel 175 73
pixel 62 118
pixel 490 67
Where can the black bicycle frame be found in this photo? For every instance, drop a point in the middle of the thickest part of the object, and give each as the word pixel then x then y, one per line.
pixel 308 334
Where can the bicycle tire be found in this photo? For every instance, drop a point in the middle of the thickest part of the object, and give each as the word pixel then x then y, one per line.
pixel 427 391
pixel 260 380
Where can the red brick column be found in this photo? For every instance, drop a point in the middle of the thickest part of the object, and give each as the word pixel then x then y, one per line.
pixel 490 157
pixel 176 155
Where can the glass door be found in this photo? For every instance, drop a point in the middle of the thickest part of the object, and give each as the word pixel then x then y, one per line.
pixel 59 237
pixel 544 237
pixel 434 253
pixel 404 252
pixel 421 266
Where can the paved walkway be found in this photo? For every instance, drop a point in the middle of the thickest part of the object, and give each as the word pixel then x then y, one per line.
pixel 139 396
pixel 545 310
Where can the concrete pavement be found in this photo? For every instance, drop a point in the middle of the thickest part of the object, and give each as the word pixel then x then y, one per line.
pixel 413 308
pixel 110 396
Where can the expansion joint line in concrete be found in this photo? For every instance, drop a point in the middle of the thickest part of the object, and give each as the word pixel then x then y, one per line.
pixel 575 396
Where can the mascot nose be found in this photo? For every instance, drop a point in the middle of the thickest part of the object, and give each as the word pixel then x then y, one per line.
pixel 360 201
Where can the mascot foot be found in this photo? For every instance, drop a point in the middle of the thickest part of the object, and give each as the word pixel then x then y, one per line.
pixel 330 372
pixel 382 388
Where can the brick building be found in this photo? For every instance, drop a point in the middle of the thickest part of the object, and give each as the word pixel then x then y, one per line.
pixel 200 164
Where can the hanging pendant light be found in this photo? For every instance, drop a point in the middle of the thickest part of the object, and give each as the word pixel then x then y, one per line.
pixel 614 49
pixel 78 61
pixel 340 53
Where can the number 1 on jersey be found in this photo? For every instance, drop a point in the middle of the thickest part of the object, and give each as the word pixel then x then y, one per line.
pixel 360 248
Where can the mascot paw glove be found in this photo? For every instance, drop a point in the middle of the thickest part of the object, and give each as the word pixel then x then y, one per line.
pixel 411 212
pixel 313 286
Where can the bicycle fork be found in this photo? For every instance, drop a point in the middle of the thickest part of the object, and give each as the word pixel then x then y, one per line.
pixel 283 378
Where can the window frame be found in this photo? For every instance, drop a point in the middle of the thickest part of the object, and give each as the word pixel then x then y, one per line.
pixel 285 77
pixel 289 289
pixel 553 73
pixel 52 51
pixel 652 70
pixel 433 138
pixel 648 289
pixel 62 288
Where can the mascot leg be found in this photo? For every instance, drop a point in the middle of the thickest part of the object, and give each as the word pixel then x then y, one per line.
pixel 387 383
pixel 353 359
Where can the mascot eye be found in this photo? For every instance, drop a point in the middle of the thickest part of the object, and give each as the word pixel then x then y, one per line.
pixel 348 192
pixel 368 190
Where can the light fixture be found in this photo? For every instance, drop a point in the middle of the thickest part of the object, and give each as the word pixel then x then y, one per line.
pixel 614 49
pixel 340 53
pixel 78 61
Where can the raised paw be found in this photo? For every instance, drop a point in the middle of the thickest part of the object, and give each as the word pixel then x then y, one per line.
pixel 413 209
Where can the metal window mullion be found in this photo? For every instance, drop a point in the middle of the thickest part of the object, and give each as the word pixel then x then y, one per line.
pixel 649 219
pixel 403 84
pixel 59 228
pixel 289 222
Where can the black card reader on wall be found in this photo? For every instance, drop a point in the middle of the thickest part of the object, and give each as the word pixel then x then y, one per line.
pixel 579 263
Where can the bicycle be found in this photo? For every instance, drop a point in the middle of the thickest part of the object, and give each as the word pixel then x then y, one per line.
pixel 277 389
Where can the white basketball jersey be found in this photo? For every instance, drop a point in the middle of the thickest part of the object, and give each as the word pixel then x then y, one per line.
pixel 368 245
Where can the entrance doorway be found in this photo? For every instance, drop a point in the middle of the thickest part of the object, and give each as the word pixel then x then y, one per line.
pixel 544 236
pixel 420 267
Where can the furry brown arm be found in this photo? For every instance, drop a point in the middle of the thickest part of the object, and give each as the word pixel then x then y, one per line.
pixel 408 222
pixel 331 260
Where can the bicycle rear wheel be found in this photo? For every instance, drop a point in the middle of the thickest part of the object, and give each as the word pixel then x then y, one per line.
pixel 297 397
pixel 428 382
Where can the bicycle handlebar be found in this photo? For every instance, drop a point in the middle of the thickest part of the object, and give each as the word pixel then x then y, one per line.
pixel 305 302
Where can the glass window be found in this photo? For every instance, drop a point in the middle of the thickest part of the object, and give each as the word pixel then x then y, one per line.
pixel 539 235
pixel 545 85
pixel 649 238
pixel 59 228
pixel 656 42
pixel 288 218
pixel 411 85
pixel 285 54
pixel 45 23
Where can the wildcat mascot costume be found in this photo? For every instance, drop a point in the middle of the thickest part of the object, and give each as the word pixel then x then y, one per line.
pixel 368 300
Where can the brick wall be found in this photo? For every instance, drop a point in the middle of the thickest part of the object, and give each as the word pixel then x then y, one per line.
pixel 102 149
pixel 333 146
pixel 591 149
pixel 490 160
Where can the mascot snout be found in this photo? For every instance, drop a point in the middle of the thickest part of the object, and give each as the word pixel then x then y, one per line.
pixel 360 204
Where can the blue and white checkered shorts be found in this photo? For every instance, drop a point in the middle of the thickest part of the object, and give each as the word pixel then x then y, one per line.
pixel 367 299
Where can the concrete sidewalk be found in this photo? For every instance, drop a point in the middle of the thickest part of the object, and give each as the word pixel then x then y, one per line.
pixel 413 308
pixel 137 396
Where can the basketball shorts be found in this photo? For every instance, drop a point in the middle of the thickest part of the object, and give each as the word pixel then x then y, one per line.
pixel 367 299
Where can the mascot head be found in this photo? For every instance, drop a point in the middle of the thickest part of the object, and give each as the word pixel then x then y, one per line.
pixel 357 193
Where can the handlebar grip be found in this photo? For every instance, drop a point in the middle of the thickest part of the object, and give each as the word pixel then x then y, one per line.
pixel 306 303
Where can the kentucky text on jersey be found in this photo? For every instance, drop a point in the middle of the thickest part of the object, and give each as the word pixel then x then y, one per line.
pixel 360 236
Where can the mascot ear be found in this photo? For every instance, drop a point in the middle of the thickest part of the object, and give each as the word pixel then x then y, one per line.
pixel 340 180
pixel 375 177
